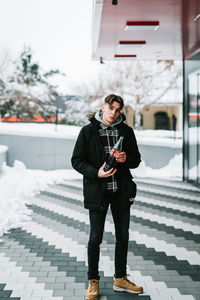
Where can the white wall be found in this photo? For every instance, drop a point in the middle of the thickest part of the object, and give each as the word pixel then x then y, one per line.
pixel 39 152
pixel 3 155
pixel 50 153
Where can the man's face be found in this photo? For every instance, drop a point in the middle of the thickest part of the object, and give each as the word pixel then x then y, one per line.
pixel 110 112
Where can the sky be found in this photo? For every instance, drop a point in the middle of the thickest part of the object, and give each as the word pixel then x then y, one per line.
pixel 58 31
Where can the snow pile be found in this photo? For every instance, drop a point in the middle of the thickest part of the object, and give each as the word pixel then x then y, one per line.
pixel 144 137
pixel 172 170
pixel 3 148
pixel 17 184
pixel 161 138
pixel 44 130
pixel 159 133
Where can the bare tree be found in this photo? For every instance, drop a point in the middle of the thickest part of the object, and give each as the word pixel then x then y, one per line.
pixel 140 83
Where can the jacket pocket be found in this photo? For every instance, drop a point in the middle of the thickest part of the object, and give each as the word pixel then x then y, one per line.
pixel 128 191
pixel 93 191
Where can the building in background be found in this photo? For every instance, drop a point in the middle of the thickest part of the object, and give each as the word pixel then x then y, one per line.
pixel 157 30
pixel 165 114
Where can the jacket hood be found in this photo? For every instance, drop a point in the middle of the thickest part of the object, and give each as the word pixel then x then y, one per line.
pixel 91 115
pixel 97 116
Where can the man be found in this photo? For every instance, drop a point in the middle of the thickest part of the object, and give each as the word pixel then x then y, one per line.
pixel 113 188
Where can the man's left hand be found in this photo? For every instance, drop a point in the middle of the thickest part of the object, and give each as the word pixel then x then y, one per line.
pixel 121 157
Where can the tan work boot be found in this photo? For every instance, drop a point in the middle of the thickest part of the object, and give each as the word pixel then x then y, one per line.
pixel 93 290
pixel 125 285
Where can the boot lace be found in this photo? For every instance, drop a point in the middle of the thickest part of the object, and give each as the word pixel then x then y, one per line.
pixel 93 285
pixel 128 281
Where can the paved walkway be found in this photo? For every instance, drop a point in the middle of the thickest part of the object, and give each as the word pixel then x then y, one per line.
pixel 46 258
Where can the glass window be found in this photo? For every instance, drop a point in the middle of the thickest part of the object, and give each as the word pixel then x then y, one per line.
pixel 198 125
pixel 194 128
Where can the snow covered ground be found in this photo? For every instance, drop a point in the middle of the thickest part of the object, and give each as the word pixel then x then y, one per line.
pixel 3 148
pixel 17 183
pixel 37 129
pixel 163 138
pixel 155 137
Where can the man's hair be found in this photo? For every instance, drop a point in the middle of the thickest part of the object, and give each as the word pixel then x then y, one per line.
pixel 114 98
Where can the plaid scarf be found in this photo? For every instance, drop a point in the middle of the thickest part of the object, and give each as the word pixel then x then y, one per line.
pixel 109 136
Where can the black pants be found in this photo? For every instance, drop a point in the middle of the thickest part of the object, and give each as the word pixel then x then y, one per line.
pixel 121 220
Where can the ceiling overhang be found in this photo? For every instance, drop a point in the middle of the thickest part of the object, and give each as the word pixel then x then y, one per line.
pixel 172 19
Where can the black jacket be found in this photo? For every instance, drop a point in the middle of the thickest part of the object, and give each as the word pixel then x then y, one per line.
pixel 88 157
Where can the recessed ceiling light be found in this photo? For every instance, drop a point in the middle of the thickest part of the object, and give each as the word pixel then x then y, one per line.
pixel 197 17
pixel 114 2
pixel 125 56
pixel 142 25
pixel 131 43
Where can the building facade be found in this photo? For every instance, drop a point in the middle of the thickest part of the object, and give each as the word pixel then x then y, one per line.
pixel 157 116
pixel 157 30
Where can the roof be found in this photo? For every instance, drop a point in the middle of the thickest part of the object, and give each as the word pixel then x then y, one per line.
pixel 178 33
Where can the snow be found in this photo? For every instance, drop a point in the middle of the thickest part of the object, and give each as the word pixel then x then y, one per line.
pixel 158 133
pixel 144 137
pixel 162 138
pixel 39 91
pixel 139 83
pixel 172 170
pixel 17 184
pixel 3 148
pixel 44 130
